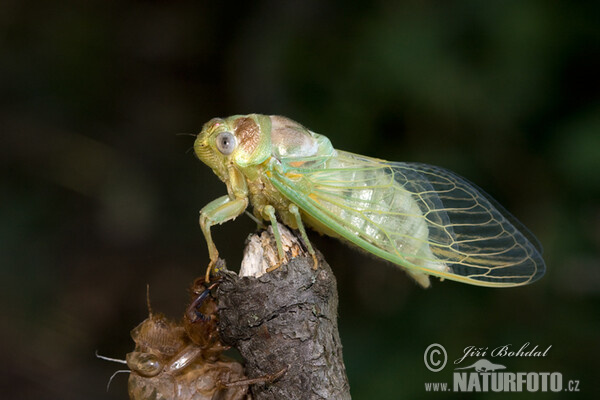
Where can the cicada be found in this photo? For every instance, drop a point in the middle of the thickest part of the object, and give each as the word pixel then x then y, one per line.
pixel 422 218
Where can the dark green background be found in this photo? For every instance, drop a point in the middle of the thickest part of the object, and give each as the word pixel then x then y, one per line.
pixel 99 196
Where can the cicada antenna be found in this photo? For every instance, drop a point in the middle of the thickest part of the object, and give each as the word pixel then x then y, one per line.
pixel 117 360
pixel 116 372
pixel 187 134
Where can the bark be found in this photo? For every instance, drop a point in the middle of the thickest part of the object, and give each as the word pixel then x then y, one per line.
pixel 286 318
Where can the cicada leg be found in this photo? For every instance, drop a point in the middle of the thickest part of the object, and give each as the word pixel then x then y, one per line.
pixel 296 213
pixel 259 223
pixel 216 212
pixel 192 312
pixel 262 379
pixel 269 212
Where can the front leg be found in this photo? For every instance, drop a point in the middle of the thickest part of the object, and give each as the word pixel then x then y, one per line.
pixel 216 212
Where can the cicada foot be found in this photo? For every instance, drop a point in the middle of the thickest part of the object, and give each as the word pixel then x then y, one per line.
pixel 214 267
pixel 274 267
pixel 315 261
pixel 280 263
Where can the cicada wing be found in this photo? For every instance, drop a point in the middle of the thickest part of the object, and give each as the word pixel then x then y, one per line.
pixel 418 216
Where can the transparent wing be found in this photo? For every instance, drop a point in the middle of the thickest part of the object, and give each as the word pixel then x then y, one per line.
pixel 420 217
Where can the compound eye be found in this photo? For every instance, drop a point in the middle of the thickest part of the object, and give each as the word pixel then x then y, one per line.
pixel 145 364
pixel 226 143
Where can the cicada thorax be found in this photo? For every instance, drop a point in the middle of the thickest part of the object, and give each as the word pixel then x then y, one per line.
pixel 291 146
pixel 262 193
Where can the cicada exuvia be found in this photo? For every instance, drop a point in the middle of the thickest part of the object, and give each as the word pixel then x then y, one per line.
pixel 185 360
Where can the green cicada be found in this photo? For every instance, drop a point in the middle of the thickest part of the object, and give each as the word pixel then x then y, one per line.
pixel 422 218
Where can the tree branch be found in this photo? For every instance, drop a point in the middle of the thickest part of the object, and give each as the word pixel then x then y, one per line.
pixel 286 318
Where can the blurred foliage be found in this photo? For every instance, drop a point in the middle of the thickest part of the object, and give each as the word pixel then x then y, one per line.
pixel 100 195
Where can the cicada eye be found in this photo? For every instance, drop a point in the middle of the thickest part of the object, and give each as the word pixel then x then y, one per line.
pixel 145 364
pixel 226 143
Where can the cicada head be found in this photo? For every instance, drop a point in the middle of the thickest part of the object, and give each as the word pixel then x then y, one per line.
pixel 242 140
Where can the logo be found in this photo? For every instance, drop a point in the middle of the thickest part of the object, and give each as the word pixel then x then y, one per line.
pixel 483 375
pixel 484 365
